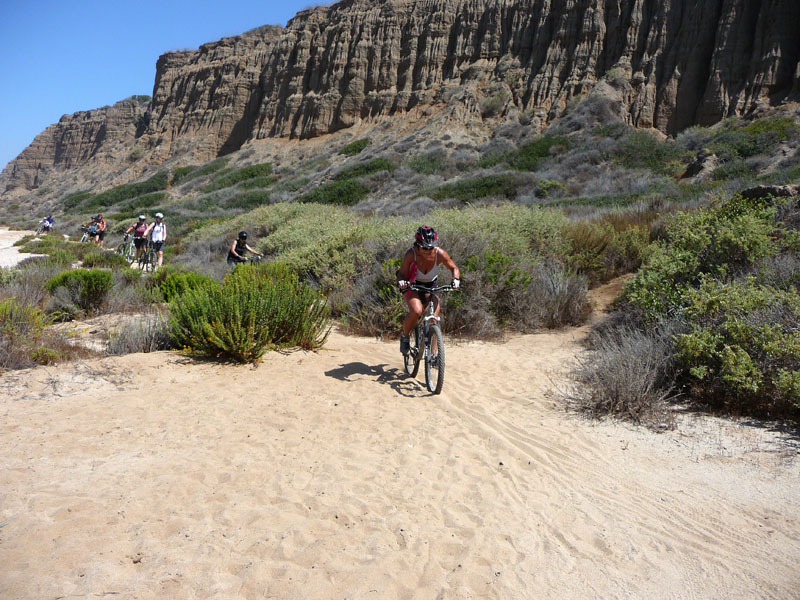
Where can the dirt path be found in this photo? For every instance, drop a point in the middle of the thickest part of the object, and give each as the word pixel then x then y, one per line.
pixel 9 255
pixel 331 475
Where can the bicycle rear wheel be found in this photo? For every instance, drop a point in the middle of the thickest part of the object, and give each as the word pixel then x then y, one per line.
pixel 434 360
pixel 152 260
pixel 411 360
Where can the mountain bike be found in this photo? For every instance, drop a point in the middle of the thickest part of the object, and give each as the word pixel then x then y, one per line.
pixel 126 249
pixel 148 259
pixel 426 343
pixel 88 233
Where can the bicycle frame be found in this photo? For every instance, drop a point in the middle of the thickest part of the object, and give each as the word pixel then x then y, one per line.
pixel 427 331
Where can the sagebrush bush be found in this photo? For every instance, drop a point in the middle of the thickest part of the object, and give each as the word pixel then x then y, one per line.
pixel 627 374
pixel 87 286
pixel 253 310
pixel 149 333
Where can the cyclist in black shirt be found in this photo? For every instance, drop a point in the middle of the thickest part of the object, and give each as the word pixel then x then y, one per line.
pixel 237 252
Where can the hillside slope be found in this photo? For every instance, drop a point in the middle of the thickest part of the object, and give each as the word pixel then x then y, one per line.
pixel 332 67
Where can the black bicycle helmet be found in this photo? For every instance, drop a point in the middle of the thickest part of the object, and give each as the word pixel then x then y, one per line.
pixel 242 235
pixel 426 237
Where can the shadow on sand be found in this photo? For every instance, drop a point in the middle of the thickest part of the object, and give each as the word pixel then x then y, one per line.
pixel 398 380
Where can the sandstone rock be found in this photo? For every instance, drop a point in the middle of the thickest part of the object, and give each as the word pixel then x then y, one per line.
pixel 701 168
pixel 762 191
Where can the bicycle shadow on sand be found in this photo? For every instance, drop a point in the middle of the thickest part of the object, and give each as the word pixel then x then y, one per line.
pixel 395 378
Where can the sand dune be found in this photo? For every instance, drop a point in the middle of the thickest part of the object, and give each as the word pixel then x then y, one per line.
pixel 333 475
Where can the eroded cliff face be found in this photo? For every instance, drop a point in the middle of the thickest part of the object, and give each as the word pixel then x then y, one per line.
pixel 679 62
pixel 104 135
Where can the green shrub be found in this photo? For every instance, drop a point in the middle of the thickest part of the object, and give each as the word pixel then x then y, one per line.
pixel 366 168
pixel 104 259
pixel 355 147
pixel 157 182
pixel 717 242
pixel 141 202
pixel 258 182
pixel 600 252
pixel 735 140
pixel 87 286
pixel 642 150
pixel 428 164
pixel 175 284
pixel 21 329
pixel 75 199
pixel 249 200
pixel 346 193
pixel 527 157
pixel 232 177
pixel 181 174
pixel 253 310
pixel 477 187
pixel 743 352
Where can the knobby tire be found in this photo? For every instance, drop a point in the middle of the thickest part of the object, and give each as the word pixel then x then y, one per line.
pixel 412 358
pixel 434 360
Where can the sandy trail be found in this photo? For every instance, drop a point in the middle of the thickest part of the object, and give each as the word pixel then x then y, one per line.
pixel 332 475
pixel 9 255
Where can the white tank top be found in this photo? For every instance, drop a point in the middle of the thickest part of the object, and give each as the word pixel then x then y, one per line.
pixel 430 275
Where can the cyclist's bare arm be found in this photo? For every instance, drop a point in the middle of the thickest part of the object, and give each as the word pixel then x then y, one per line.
pixel 405 266
pixel 448 262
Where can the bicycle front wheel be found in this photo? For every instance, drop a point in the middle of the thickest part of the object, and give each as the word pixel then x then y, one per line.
pixel 411 360
pixel 434 360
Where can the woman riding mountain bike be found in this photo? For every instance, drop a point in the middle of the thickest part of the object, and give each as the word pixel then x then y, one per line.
pixel 236 254
pixel 420 267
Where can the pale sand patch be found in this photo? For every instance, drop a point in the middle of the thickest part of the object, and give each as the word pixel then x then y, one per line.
pixel 9 255
pixel 333 475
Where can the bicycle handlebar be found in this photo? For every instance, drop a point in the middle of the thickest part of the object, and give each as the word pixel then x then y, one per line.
pixel 441 288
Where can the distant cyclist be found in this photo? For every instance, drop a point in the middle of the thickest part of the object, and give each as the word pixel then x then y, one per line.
pixel 157 230
pixel 236 254
pixel 139 230
pixel 100 230
pixel 46 224
pixel 420 266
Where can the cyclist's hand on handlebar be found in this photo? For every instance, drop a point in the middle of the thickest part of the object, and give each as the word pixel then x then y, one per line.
pixel 403 284
pixel 456 283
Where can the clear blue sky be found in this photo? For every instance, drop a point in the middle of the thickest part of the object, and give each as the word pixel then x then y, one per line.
pixel 60 57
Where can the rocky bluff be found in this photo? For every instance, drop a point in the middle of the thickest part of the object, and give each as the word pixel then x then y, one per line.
pixel 680 62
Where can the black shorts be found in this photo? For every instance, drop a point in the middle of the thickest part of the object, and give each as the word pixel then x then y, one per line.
pixel 234 260
pixel 158 246
pixel 101 235
pixel 139 242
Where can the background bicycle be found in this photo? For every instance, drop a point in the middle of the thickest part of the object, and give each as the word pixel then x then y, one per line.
pixel 126 248
pixel 426 344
